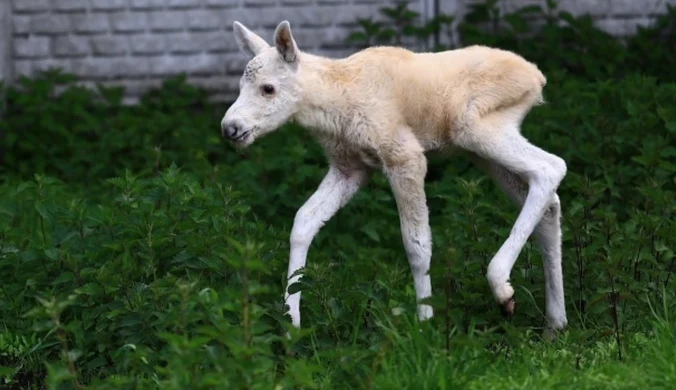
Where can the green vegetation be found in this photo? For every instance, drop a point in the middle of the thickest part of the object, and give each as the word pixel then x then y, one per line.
pixel 139 250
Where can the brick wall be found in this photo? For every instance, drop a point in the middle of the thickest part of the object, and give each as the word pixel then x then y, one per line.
pixel 6 66
pixel 138 43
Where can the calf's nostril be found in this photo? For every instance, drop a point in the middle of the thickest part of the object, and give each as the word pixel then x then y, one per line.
pixel 230 130
pixel 233 129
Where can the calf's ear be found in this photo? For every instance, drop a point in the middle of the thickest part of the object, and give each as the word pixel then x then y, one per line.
pixel 248 42
pixel 284 42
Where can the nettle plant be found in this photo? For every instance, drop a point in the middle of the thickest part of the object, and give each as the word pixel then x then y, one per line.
pixel 131 287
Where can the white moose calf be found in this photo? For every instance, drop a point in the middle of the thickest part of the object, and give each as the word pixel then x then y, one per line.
pixel 383 108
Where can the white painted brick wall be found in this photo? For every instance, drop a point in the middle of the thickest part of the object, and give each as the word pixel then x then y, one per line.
pixel 138 43
pixel 6 65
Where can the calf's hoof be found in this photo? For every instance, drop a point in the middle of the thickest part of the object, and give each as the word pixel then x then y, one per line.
pixel 508 307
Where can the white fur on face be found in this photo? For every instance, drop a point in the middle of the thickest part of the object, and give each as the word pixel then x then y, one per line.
pixel 269 88
pixel 257 111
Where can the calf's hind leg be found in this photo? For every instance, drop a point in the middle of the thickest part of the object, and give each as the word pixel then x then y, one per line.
pixel 548 236
pixel 501 143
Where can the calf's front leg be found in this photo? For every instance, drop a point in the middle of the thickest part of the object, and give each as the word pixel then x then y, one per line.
pixel 407 179
pixel 336 189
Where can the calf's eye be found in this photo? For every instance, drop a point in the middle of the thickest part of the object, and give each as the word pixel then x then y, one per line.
pixel 268 89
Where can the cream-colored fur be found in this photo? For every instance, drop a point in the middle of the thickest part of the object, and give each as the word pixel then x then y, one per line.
pixel 383 108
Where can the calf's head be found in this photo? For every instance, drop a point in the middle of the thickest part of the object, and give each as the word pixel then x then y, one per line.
pixel 269 89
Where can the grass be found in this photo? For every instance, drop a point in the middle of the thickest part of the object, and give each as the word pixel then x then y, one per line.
pixel 423 357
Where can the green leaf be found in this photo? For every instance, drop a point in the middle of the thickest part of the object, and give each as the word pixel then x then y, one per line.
pixel 131 320
pixel 42 210
pixel 371 233
pixel 24 186
pixel 97 362
pixel 65 277
pixel 91 289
